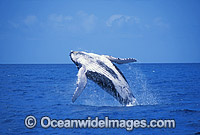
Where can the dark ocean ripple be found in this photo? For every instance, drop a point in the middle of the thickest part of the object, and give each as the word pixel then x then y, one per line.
pixel 163 91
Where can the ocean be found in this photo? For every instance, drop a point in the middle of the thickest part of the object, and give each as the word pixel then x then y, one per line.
pixel 163 91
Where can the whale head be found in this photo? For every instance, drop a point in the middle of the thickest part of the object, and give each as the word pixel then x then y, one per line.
pixel 78 57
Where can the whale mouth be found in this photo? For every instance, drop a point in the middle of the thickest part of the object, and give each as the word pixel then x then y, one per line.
pixel 76 63
pixel 70 54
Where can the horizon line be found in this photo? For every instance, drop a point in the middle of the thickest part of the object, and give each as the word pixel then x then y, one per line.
pixel 73 63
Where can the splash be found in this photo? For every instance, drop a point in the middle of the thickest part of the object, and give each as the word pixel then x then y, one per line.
pixel 139 86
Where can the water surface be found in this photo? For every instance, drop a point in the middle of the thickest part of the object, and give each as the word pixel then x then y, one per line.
pixel 163 91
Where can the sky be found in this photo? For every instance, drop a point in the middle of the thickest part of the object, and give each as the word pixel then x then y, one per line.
pixel 152 31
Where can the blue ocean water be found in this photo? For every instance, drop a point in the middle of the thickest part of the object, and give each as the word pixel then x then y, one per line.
pixel 163 91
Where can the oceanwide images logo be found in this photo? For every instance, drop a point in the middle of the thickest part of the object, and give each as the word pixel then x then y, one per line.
pixel 130 124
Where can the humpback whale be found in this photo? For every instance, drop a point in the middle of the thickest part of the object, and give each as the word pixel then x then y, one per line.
pixel 102 70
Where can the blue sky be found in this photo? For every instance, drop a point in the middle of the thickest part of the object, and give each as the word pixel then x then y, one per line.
pixel 152 31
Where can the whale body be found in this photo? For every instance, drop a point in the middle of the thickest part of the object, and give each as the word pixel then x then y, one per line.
pixel 102 70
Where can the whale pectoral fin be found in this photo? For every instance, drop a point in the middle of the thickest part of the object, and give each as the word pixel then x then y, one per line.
pixel 81 83
pixel 120 60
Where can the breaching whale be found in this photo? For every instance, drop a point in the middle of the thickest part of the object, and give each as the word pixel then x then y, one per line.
pixel 101 70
